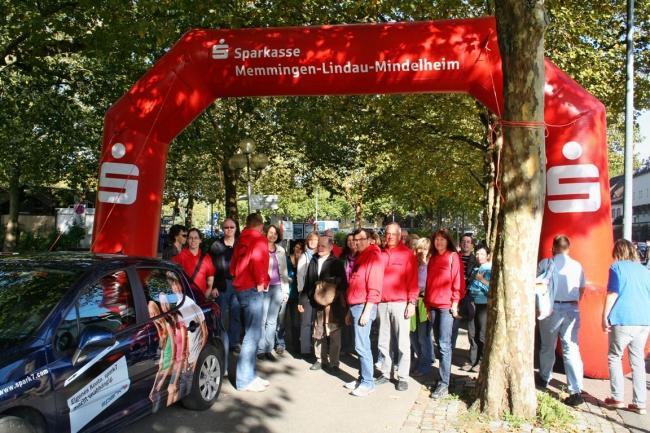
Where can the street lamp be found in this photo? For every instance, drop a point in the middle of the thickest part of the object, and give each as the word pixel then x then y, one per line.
pixel 249 160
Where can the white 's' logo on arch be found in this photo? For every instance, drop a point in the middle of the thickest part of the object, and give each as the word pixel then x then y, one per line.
pixel 220 50
pixel 573 188
pixel 122 190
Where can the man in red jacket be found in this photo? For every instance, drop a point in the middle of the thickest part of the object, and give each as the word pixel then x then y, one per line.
pixel 249 267
pixel 364 292
pixel 399 295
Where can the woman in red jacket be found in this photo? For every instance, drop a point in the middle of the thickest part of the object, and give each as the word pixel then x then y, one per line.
pixel 445 288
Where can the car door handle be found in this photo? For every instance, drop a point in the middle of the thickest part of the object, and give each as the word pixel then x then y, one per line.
pixel 193 326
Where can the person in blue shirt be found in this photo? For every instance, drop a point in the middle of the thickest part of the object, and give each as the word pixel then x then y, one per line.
pixel 478 290
pixel 627 321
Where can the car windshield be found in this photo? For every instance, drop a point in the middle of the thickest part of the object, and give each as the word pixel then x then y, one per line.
pixel 26 298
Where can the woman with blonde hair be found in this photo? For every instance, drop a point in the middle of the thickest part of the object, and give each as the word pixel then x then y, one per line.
pixel 626 319
pixel 421 330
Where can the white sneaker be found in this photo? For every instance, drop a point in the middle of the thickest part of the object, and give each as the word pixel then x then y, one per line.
pixel 256 385
pixel 352 385
pixel 262 381
pixel 362 391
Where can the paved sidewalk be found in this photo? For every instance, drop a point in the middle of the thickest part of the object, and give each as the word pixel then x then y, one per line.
pixel 450 415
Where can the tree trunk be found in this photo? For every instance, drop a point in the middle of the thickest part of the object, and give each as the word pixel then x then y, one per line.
pixel 491 165
pixel 189 211
pixel 358 214
pixel 230 184
pixel 11 230
pixel 506 382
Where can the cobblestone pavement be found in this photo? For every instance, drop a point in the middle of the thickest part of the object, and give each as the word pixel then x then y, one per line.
pixel 444 416
pixel 450 415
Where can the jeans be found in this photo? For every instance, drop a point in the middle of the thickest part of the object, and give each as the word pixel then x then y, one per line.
pixel 476 333
pixel 443 323
pixel 634 338
pixel 565 323
pixel 280 330
pixel 422 347
pixel 230 315
pixel 392 323
pixel 270 311
pixel 306 321
pixel 362 344
pixel 251 302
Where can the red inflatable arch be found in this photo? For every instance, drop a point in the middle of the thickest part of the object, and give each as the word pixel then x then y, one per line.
pixel 441 56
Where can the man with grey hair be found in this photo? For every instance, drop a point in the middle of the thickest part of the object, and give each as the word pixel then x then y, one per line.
pixel 398 298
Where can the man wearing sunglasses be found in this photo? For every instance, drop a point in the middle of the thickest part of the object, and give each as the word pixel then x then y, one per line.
pixel 221 253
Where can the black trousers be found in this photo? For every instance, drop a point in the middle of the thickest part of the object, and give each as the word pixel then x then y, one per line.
pixel 476 333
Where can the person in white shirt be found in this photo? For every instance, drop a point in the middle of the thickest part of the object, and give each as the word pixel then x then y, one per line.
pixel 563 322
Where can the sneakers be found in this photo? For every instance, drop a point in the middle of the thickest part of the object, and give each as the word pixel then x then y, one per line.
pixel 316 366
pixel 440 392
pixel 381 380
pixel 362 391
pixel 402 385
pixel 614 404
pixel 269 357
pixel 574 400
pixel 638 409
pixel 352 385
pixel 279 350
pixel 257 385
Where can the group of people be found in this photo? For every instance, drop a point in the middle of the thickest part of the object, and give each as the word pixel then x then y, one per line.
pixel 419 290
pixel 625 318
pixel 331 296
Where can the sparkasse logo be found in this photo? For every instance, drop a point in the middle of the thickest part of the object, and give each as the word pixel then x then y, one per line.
pixel 220 50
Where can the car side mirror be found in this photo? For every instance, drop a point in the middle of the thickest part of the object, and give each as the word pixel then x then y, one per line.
pixel 92 340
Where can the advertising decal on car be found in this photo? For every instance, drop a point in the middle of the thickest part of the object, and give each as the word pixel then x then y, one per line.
pixel 182 334
pixel 99 394
pixel 9 389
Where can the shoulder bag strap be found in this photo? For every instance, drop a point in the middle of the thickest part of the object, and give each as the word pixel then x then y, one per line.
pixel 198 267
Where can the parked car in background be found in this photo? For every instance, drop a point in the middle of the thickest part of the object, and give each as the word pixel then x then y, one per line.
pixel 91 343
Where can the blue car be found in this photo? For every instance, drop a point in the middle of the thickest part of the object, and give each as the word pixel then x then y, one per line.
pixel 91 343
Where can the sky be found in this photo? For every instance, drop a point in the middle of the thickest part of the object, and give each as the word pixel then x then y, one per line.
pixel 643 148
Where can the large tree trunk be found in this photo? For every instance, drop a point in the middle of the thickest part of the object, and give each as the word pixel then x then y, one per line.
pixel 11 230
pixel 506 380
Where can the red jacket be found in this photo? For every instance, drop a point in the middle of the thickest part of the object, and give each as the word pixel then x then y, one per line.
pixel 366 277
pixel 400 275
pixel 445 280
pixel 249 265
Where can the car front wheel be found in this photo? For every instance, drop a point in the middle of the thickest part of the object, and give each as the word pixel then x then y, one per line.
pixel 14 424
pixel 206 382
